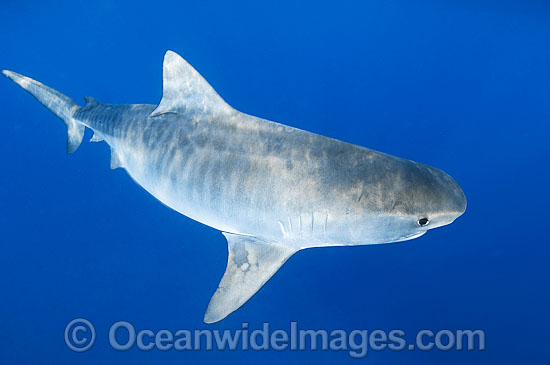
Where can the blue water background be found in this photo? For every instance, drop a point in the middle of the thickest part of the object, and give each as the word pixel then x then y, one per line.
pixel 460 85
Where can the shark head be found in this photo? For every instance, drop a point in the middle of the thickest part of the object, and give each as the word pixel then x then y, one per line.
pixel 443 199
pixel 431 199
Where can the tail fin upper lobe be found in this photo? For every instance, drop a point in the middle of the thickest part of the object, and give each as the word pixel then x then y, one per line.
pixel 61 105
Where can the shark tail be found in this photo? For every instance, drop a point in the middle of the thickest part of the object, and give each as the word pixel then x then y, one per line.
pixel 61 105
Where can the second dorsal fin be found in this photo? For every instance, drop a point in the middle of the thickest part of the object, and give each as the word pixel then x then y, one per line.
pixel 186 91
pixel 90 102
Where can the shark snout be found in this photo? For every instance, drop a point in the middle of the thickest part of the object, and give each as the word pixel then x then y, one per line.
pixel 456 196
pixel 460 207
pixel 449 199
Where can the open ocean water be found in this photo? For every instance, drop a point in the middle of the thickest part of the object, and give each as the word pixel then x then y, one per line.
pixel 460 85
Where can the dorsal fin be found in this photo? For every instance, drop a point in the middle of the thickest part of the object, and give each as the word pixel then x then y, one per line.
pixel 186 91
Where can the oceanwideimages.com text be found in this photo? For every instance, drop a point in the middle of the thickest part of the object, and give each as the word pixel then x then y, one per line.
pixel 123 336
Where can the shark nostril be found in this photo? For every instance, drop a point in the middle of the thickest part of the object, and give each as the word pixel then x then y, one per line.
pixel 423 221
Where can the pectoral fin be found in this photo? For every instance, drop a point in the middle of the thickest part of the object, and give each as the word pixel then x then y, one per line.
pixel 251 263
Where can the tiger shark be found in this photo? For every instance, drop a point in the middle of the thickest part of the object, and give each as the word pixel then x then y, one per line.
pixel 271 189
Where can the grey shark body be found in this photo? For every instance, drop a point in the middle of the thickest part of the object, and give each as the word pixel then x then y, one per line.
pixel 271 189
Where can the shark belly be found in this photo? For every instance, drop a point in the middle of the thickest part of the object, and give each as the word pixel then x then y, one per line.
pixel 214 190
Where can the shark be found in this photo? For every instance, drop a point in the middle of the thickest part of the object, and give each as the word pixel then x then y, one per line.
pixel 271 189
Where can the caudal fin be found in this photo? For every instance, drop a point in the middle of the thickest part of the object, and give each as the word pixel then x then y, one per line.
pixel 61 105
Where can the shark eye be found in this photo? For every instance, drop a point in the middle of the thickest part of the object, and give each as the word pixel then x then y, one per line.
pixel 423 221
